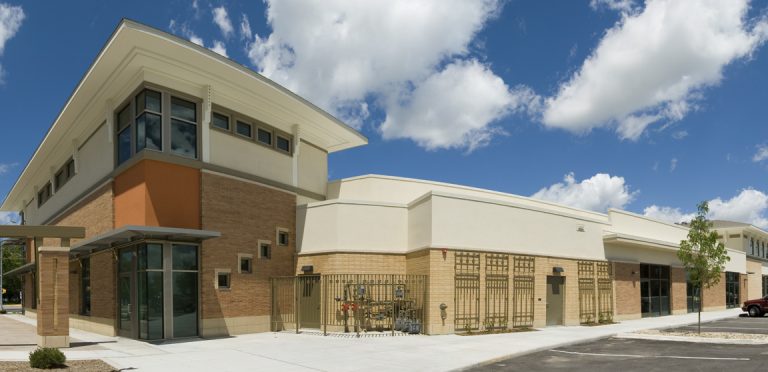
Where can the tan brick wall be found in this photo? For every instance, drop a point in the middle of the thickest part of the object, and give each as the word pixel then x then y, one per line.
pixel 744 288
pixel 74 287
pixel 53 310
pixel 353 263
pixel 627 290
pixel 29 291
pixel 244 213
pixel 713 298
pixel 544 266
pixel 95 213
pixel 678 294
pixel 103 285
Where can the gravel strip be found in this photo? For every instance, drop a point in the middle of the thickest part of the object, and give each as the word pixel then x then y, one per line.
pixel 73 365
pixel 722 335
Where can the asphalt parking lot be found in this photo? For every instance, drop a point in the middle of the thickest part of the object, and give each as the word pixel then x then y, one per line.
pixel 629 355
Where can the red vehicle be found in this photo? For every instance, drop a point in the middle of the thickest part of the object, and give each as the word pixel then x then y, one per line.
pixel 757 307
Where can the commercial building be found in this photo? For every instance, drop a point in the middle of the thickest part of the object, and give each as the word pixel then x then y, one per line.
pixel 202 187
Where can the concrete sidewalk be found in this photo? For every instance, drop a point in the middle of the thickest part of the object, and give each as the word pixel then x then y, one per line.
pixel 302 352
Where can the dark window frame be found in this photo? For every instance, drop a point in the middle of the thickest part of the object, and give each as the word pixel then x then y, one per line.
pixel 262 246
pixel 44 194
pixel 225 274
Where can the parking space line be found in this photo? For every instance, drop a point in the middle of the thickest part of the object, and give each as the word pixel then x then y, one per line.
pixel 645 356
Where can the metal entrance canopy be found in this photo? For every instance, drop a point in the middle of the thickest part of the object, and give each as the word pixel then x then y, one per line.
pixel 127 234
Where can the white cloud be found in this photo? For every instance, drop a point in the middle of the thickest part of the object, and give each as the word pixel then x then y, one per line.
pixel 388 53
pixel 598 193
pixel 749 206
pixel 9 218
pixel 455 108
pixel 245 28
pixel 761 154
pixel 667 214
pixel 221 19
pixel 184 30
pixel 6 167
pixel 220 48
pixel 654 64
pixel 10 20
pixel 680 134
pixel 618 5
pixel 672 165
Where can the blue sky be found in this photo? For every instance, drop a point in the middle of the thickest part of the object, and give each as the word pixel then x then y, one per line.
pixel 646 106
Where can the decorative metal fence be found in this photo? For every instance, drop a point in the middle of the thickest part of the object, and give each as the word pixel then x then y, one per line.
pixel 522 291
pixel 496 291
pixel 349 303
pixel 467 291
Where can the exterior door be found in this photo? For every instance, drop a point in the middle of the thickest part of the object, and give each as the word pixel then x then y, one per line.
pixel 309 301
pixel 555 286
pixel 654 290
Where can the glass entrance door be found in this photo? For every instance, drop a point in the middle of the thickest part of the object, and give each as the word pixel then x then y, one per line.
pixel 732 293
pixel 654 290
pixel 126 293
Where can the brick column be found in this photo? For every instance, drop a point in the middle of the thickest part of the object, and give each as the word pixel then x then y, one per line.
pixel 53 305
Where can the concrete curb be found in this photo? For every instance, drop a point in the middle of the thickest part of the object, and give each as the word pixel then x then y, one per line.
pixel 700 340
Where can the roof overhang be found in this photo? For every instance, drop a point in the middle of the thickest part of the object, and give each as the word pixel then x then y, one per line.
pixel 135 54
pixel 638 241
pixel 23 269
pixel 127 234
pixel 43 231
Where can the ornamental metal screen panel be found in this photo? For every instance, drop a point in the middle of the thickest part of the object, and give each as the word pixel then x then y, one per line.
pixel 467 291
pixel 496 291
pixel 604 292
pixel 522 291
pixel 587 306
pixel 283 304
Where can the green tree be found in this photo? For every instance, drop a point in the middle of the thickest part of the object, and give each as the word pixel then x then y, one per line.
pixel 13 257
pixel 703 256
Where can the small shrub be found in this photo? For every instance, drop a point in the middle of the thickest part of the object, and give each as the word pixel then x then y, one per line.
pixel 3 311
pixel 46 357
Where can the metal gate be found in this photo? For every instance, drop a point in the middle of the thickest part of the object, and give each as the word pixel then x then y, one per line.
pixel 349 303
pixel 467 291
pixel 496 291
pixel 284 304
pixel 309 301
pixel 522 291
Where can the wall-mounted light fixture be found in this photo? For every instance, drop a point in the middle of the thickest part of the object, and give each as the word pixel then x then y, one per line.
pixel 558 270
pixel 307 269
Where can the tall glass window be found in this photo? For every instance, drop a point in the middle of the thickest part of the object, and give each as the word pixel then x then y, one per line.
pixel 85 286
pixel 150 291
pixel 183 128
pixel 124 135
pixel 185 277
pixel 149 128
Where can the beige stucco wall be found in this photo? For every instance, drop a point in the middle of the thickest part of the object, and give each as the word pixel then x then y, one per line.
pixel 94 162
pixel 755 279
pixel 312 168
pixel 405 190
pixel 249 157
pixel 353 227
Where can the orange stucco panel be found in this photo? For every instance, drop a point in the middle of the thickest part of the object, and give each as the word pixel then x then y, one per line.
pixel 154 193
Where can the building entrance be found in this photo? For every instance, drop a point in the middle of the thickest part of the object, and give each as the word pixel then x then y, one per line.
pixel 654 290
